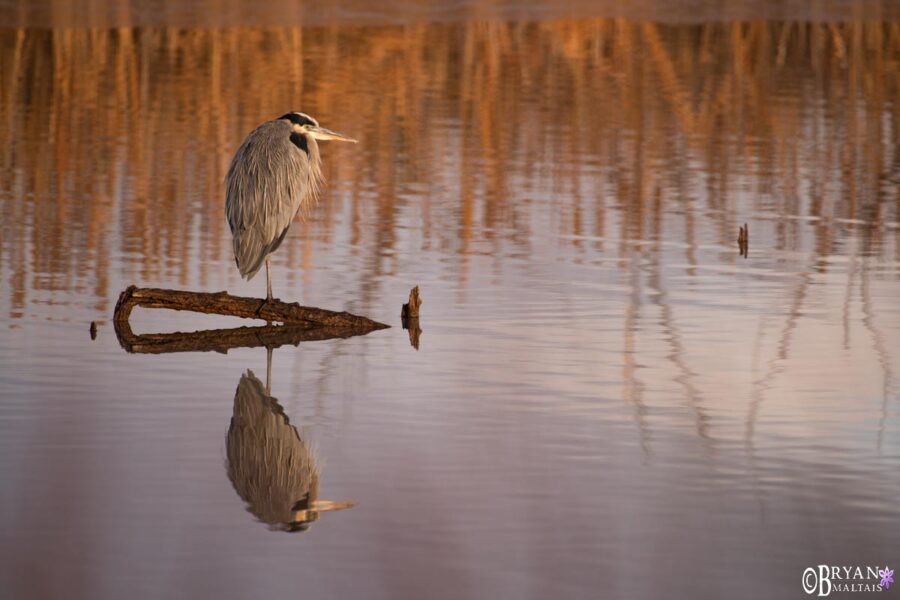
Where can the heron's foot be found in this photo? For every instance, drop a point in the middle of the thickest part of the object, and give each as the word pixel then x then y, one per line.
pixel 262 306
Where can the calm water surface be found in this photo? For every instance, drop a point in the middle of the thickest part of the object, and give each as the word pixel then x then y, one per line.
pixel 607 400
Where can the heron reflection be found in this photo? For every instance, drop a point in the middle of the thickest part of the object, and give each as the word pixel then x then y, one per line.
pixel 270 467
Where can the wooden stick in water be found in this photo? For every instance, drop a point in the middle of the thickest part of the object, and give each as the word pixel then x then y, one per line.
pixel 222 303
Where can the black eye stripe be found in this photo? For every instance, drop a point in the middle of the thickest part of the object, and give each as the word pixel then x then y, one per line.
pixel 300 141
pixel 298 119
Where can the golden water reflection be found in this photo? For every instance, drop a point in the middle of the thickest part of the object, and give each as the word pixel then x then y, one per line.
pixel 115 142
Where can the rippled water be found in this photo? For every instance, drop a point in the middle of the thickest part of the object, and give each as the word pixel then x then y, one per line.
pixel 607 400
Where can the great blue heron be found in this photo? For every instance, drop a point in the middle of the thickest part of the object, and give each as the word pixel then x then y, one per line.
pixel 274 175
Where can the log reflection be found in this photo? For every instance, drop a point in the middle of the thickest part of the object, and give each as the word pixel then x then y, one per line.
pixel 223 340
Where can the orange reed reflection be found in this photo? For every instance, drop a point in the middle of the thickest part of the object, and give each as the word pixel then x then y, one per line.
pixel 115 142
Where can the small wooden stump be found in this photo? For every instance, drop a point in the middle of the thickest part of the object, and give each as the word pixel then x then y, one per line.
pixel 409 317
pixel 410 310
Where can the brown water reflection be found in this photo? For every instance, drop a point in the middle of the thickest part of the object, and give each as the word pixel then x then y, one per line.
pixel 607 388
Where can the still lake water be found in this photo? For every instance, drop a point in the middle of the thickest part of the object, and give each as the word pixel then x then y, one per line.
pixel 607 400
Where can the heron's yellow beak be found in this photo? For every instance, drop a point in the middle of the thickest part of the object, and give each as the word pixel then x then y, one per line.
pixel 326 505
pixel 320 133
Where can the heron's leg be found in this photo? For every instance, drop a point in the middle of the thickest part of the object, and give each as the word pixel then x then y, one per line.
pixel 268 371
pixel 268 280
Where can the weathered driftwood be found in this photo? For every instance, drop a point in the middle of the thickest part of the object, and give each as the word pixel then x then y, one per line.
pixel 222 303
pixel 223 340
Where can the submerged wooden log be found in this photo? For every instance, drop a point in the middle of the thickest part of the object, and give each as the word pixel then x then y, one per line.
pixel 223 340
pixel 222 303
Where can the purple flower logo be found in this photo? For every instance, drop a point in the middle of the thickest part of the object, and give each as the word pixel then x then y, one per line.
pixel 887 577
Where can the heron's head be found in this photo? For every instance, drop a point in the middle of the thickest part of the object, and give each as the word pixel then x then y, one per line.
pixel 305 125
